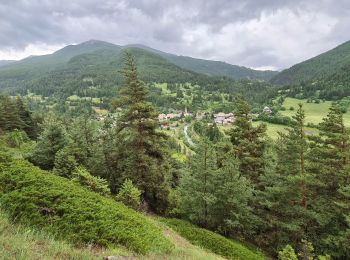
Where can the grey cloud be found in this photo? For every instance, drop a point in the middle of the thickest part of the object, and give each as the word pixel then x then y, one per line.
pixel 199 28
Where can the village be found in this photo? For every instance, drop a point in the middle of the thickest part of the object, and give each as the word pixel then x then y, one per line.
pixel 220 118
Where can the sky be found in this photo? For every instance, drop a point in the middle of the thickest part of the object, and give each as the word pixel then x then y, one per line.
pixel 261 34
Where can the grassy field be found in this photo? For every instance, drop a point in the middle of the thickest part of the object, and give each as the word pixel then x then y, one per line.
pixel 313 112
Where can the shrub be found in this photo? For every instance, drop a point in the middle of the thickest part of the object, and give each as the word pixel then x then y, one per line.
pixel 287 253
pixel 93 183
pixel 68 210
pixel 16 138
pixel 129 195
pixel 212 241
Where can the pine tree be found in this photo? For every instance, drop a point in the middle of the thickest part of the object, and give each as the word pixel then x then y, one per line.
pixel 288 190
pixel 142 145
pixel 29 125
pixel 233 193
pixel 329 161
pixel 65 163
pixel 52 139
pixel 248 142
pixel 341 241
pixel 10 115
pixel 198 186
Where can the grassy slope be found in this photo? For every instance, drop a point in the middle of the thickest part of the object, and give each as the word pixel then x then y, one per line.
pixel 212 241
pixel 19 242
pixel 76 214
pixel 313 112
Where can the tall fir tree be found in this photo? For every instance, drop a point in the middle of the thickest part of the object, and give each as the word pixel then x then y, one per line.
pixel 248 142
pixel 288 189
pixel 233 211
pixel 51 140
pixel 329 161
pixel 141 144
pixel 198 186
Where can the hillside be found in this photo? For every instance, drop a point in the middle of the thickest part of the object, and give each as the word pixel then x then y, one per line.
pixel 5 62
pixel 96 64
pixel 90 64
pixel 324 66
pixel 213 68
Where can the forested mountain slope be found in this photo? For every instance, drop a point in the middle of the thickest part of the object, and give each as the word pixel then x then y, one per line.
pixel 96 64
pixel 213 68
pixel 5 62
pixel 321 67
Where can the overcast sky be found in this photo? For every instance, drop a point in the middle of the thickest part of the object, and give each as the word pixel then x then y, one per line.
pixel 263 34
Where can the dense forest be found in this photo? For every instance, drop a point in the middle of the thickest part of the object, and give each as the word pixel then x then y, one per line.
pixel 289 196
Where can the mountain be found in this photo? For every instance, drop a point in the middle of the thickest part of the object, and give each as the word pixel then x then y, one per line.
pixel 74 67
pixel 321 67
pixel 212 68
pixel 95 64
pixel 5 62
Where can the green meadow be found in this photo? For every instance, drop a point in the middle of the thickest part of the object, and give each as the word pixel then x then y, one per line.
pixel 314 112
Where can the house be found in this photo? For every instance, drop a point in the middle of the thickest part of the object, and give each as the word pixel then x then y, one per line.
pixel 162 117
pixel 224 119
pixel 267 110
pixel 219 120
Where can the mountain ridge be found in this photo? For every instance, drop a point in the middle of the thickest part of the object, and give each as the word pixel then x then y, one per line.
pixel 319 67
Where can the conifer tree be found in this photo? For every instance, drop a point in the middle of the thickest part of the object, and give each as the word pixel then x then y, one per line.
pixel 198 186
pixel 329 161
pixel 141 144
pixel 29 125
pixel 288 188
pixel 51 140
pixel 234 195
pixel 10 115
pixel 248 142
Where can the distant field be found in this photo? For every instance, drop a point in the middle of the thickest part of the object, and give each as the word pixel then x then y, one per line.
pixel 273 129
pixel 313 112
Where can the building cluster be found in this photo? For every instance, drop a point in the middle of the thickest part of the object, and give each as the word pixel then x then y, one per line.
pixel 223 118
pixel 170 116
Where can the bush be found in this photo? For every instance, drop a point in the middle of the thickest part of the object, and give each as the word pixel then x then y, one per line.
pixel 291 108
pixel 129 195
pixel 93 183
pixel 69 211
pixel 212 241
pixel 287 253
pixel 16 138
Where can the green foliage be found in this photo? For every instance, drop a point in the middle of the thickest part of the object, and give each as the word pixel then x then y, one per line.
pixel 96 184
pixel 315 68
pixel 16 138
pixel 129 195
pixel 69 211
pixel 248 142
pixel 141 145
pixel 65 163
pixel 50 141
pixel 21 242
pixel 197 186
pixel 287 253
pixel 14 115
pixel 212 241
